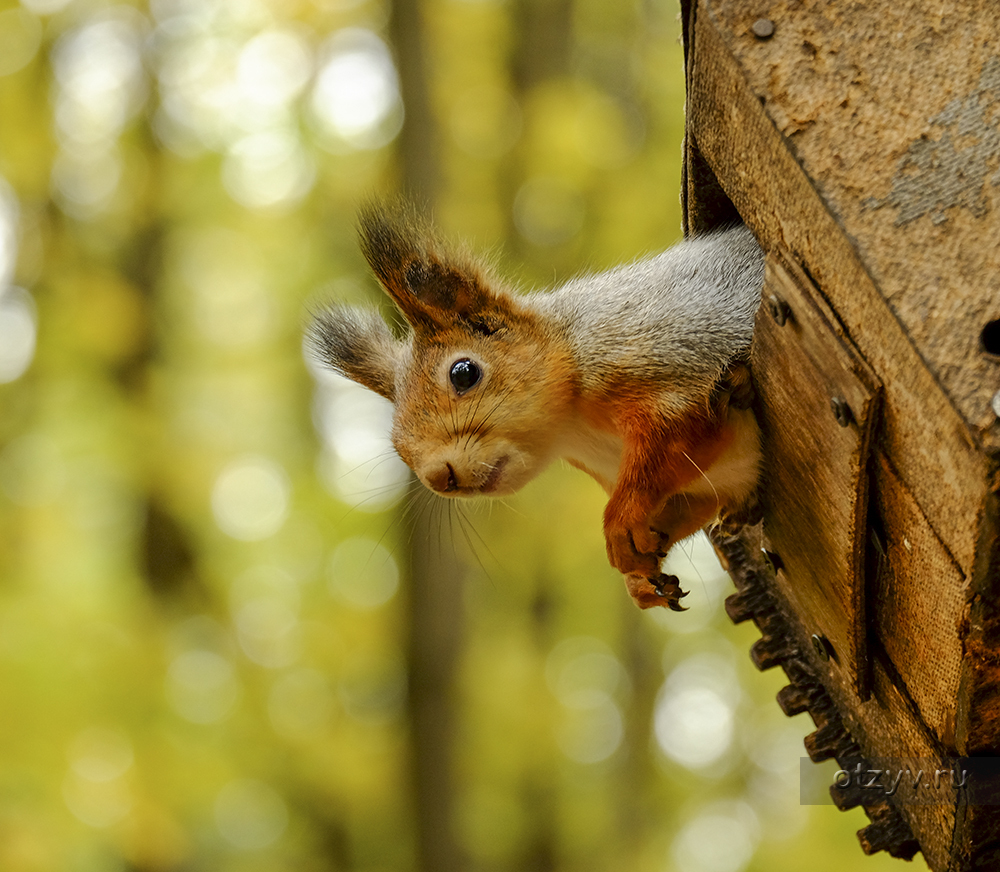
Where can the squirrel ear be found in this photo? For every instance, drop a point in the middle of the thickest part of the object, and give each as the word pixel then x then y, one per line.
pixel 357 343
pixel 430 289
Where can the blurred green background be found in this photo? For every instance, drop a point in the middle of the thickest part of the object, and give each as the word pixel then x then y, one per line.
pixel 232 634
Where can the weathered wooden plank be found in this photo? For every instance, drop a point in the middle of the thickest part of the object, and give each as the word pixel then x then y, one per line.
pixel 893 110
pixel 978 715
pixel 818 402
pixel 917 603
pixel 928 440
pixel 864 140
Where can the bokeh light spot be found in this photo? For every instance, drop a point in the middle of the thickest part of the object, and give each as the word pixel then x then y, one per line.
pixel 32 470
pixel 20 36
pixel 45 7
pixel 100 754
pixel 694 726
pixel 250 815
pixel 358 464
pixel 198 94
pixel 355 99
pixel 250 498
pixel 201 686
pixel 583 668
pixel 85 180
pixel 265 605
pixel 268 169
pixel 98 804
pixel 695 711
pixel 94 790
pixel 17 333
pixel 722 838
pixel 101 81
pixel 10 210
pixel 273 68
pixel 363 573
pixel 584 675
pixel 593 732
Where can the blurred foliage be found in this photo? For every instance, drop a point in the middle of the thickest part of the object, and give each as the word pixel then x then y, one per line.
pixel 204 566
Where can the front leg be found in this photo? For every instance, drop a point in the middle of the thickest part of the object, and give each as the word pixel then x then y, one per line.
pixel 634 548
pixel 646 515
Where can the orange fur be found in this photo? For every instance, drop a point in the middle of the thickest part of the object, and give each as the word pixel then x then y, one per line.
pixel 659 457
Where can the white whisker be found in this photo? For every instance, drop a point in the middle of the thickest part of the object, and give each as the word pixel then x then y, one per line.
pixel 718 502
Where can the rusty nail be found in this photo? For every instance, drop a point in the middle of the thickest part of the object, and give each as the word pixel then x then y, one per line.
pixel 996 404
pixel 821 646
pixel 779 309
pixel 763 28
pixel 841 411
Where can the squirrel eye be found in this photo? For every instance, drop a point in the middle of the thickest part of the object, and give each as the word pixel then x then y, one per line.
pixel 464 375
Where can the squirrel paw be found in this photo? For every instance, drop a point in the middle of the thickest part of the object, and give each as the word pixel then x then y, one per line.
pixel 733 520
pixel 635 551
pixel 735 389
pixel 741 387
pixel 660 590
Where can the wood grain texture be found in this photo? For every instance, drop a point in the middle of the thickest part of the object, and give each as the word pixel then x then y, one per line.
pixel 875 166
pixel 888 726
pixel 917 603
pixel 815 467
pixel 921 430
pixel 893 111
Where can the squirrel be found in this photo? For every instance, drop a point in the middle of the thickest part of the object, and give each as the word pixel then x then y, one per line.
pixel 639 376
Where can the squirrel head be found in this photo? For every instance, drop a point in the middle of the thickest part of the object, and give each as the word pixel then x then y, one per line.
pixel 480 380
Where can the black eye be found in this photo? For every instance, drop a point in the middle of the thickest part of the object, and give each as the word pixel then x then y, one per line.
pixel 464 375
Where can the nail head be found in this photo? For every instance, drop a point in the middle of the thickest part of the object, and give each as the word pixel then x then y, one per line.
pixel 773 560
pixel 820 646
pixel 763 28
pixel 779 309
pixel 841 411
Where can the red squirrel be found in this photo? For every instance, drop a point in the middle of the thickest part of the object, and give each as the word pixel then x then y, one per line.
pixel 638 376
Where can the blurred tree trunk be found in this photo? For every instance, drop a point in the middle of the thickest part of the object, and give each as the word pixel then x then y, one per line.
pixel 542 34
pixel 543 39
pixel 435 641
pixel 636 776
pixel 418 140
pixel 435 573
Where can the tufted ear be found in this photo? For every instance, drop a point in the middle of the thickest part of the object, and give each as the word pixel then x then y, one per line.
pixel 432 289
pixel 357 343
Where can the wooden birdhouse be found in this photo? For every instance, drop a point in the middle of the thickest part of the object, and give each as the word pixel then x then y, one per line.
pixel 861 144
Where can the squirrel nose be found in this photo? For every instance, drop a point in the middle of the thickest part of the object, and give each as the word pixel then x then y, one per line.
pixel 443 480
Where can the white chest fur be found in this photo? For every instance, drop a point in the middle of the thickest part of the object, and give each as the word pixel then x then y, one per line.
pixel 595 451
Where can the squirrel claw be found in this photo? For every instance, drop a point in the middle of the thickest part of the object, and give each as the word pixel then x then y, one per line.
pixel 669 588
pixel 656 590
